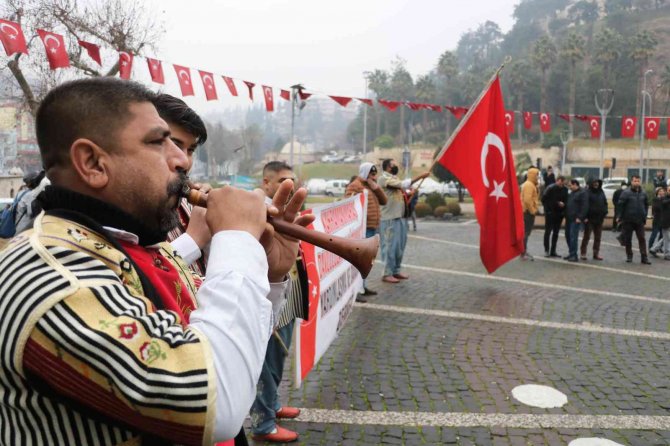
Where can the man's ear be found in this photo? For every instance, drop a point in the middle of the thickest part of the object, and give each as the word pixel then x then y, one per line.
pixel 90 162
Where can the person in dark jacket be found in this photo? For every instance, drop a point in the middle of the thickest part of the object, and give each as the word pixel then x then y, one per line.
pixel 553 200
pixel 549 177
pixel 594 218
pixel 664 242
pixel 633 207
pixel 576 211
pixel 656 217
pixel 659 180
pixel 615 201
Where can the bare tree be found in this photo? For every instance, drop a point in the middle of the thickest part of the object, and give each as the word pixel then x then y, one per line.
pixel 112 24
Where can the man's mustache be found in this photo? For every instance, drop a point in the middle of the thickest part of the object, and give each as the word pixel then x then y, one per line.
pixel 177 186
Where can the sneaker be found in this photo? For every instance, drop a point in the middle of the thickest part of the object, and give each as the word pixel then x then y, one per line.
pixel 596 257
pixel 553 254
pixel 645 261
pixel 368 292
pixel 278 435
pixel 360 299
pixel 526 256
pixel 547 254
pixel 573 259
pixel 653 253
pixel 288 412
pixel 629 260
pixel 583 257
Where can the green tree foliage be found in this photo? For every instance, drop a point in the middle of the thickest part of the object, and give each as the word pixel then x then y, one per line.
pixel 572 50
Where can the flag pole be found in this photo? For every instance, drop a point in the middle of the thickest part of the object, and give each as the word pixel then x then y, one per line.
pixel 507 60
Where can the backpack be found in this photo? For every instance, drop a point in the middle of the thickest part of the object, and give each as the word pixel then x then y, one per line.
pixel 7 225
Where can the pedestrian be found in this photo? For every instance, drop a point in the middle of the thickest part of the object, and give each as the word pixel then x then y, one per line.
pixel 659 194
pixel 393 228
pixel 664 242
pixel 577 209
pixel 594 218
pixel 659 180
pixel 616 226
pixel 24 217
pixel 549 177
pixel 554 200
pixel 367 179
pixel 633 208
pixel 529 203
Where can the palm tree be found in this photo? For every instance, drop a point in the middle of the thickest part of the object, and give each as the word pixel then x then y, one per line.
pixel 665 84
pixel 378 82
pixel 447 67
pixel 402 86
pixel 572 50
pixel 543 56
pixel 425 92
pixel 608 44
pixel 642 48
pixel 518 82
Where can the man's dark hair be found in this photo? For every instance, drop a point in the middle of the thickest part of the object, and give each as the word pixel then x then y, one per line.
pixel 386 163
pixel 93 108
pixel 174 110
pixel 635 176
pixel 575 182
pixel 549 168
pixel 560 177
pixel 276 166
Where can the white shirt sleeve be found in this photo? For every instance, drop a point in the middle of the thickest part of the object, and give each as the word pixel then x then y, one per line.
pixel 278 298
pixel 235 315
pixel 187 248
pixel 406 183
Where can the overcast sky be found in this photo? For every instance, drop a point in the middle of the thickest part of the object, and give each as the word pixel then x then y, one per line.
pixel 325 45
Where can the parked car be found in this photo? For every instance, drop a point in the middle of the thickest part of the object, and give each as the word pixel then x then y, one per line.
pixel 336 188
pixel 610 188
pixel 582 181
pixel 350 159
pixel 614 180
pixel 316 186
pixel 332 157
pixel 429 186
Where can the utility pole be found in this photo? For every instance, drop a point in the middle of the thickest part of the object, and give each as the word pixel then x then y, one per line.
pixel 295 90
pixel 607 97
pixel 565 138
pixel 644 96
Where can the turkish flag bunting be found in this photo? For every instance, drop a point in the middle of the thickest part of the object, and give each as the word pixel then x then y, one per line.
pixel 208 84
pixel 304 96
pixel 230 84
pixel 366 101
pixel 480 155
pixel 125 64
pixel 509 121
pixel 545 122
pixel 184 78
pixel 628 125
pixel 250 86
pixel 435 108
pixel 458 112
pixel 594 123
pixel 12 38
pixel 343 101
pixel 413 106
pixel 92 49
pixel 269 99
pixel 564 117
pixel 651 127
pixel 527 120
pixel 156 70
pixel 285 94
pixel 390 105
pixel 582 117
pixel 54 44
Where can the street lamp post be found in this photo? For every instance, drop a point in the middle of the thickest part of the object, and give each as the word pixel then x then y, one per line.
pixel 565 138
pixel 295 89
pixel 607 97
pixel 644 96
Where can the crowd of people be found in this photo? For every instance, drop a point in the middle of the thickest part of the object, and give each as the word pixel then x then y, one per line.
pixel 584 209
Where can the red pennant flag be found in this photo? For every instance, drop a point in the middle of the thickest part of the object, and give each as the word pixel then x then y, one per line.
pixel 125 64
pixel 230 84
pixel 366 101
pixel 208 85
pixel 480 155
pixel 93 51
pixel 545 123
pixel 527 120
pixel 582 117
pixel 390 105
pixel 435 108
pixel 304 96
pixel 458 112
pixel 12 38
pixel 651 127
pixel 156 70
pixel 628 124
pixel 269 99
pixel 184 78
pixel 594 123
pixel 341 100
pixel 509 121
pixel 250 86
pixel 564 117
pixel 285 94
pixel 54 44
pixel 413 106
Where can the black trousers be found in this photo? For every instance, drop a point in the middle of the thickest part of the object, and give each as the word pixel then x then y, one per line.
pixel 552 226
pixel 627 233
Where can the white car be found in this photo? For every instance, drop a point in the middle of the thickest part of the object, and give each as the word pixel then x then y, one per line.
pixel 316 186
pixel 581 180
pixel 614 180
pixel 336 188
pixel 609 189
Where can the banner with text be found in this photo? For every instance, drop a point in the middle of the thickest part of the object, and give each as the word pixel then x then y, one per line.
pixel 332 282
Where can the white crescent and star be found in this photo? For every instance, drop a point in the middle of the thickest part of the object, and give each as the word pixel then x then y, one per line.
pixel 268 94
pixel 206 77
pixel 494 140
pixel 508 118
pixel 629 123
pixel 187 79
pixel 594 124
pixel 125 58
pixel 650 124
pixel 10 35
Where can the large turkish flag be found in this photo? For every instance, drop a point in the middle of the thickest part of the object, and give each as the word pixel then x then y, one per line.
pixel 480 155
pixel 12 38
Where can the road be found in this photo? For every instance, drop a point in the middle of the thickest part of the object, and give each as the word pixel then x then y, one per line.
pixel 434 360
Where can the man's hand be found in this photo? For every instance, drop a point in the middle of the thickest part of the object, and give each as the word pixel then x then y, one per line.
pixel 231 209
pixel 420 177
pixel 280 249
pixel 561 204
pixel 197 224
pixel 371 183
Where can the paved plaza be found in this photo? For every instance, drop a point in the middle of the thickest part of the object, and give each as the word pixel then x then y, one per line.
pixel 434 360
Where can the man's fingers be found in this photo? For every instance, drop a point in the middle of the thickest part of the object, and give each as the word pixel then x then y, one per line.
pixel 267 238
pixel 295 204
pixel 305 220
pixel 283 193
